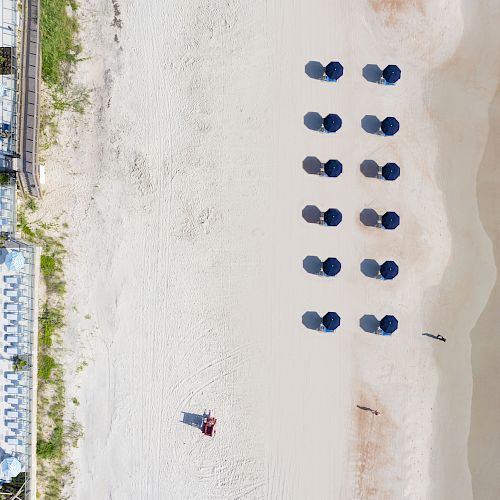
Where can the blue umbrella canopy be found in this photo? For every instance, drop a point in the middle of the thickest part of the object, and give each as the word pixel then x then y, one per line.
pixel 334 70
pixel 390 171
pixel 333 168
pixel 388 324
pixel 331 266
pixel 10 467
pixel 332 122
pixel 389 270
pixel 391 73
pixel 390 220
pixel 14 261
pixel 389 126
pixel 333 217
pixel 331 320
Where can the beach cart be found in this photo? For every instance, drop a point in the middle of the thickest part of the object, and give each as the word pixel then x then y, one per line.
pixel 208 426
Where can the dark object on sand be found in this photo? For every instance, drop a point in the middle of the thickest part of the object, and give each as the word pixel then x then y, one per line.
pixel 390 171
pixel 332 123
pixel 333 71
pixel 332 168
pixel 388 325
pixel 389 270
pixel 332 217
pixel 389 126
pixel 390 220
pixel 331 321
pixel 391 74
pixel 331 266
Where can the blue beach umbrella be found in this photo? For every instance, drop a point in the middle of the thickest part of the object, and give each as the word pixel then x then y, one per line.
pixel 391 74
pixel 333 168
pixel 331 321
pixel 331 266
pixel 333 71
pixel 14 261
pixel 332 122
pixel 389 126
pixel 389 270
pixel 390 220
pixel 390 171
pixel 10 467
pixel 333 217
pixel 388 325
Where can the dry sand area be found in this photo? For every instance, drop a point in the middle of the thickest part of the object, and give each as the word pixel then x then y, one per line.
pixel 183 187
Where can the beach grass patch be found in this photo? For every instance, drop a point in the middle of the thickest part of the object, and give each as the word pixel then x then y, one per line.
pixel 46 364
pixel 60 50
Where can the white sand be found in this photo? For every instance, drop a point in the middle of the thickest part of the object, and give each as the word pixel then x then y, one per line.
pixel 183 188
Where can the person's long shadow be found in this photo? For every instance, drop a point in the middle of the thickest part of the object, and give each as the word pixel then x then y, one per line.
pixel 314 69
pixel 311 165
pixel 368 217
pixel 311 320
pixel 369 168
pixel 311 214
pixel 370 124
pixel 369 323
pixel 372 73
pixel 192 419
pixel 312 264
pixel 313 120
pixel 370 268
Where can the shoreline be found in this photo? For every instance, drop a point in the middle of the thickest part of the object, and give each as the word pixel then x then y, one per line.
pixel 459 300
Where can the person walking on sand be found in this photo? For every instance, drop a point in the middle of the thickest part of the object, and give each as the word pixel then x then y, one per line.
pixel 375 412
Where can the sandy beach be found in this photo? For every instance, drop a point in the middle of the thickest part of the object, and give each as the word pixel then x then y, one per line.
pixel 184 188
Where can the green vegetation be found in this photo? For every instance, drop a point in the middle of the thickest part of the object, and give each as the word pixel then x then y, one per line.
pixel 58 30
pixel 31 204
pixel 4 179
pixel 19 364
pixel 75 402
pixel 60 52
pixel 45 366
pixel 55 435
pixel 81 366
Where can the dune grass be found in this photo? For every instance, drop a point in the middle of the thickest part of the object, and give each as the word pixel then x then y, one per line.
pixel 60 50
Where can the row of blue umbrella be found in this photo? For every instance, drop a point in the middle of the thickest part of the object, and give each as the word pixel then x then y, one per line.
pixel 332 266
pixel 333 217
pixel 333 168
pixel 332 123
pixel 334 70
pixel 387 325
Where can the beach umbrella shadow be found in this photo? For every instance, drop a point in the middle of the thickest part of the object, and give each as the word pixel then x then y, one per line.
pixel 311 214
pixel 312 264
pixel 370 124
pixel 370 268
pixel 372 73
pixel 369 168
pixel 369 323
pixel 192 419
pixel 313 121
pixel 368 217
pixel 314 69
pixel 311 165
pixel 312 320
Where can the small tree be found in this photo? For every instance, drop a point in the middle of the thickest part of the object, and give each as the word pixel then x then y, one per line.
pixel 19 364
pixel 4 179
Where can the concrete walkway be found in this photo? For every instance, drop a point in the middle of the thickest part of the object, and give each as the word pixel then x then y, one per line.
pixel 30 80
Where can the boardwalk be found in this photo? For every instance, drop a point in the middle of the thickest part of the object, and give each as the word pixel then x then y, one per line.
pixel 30 72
